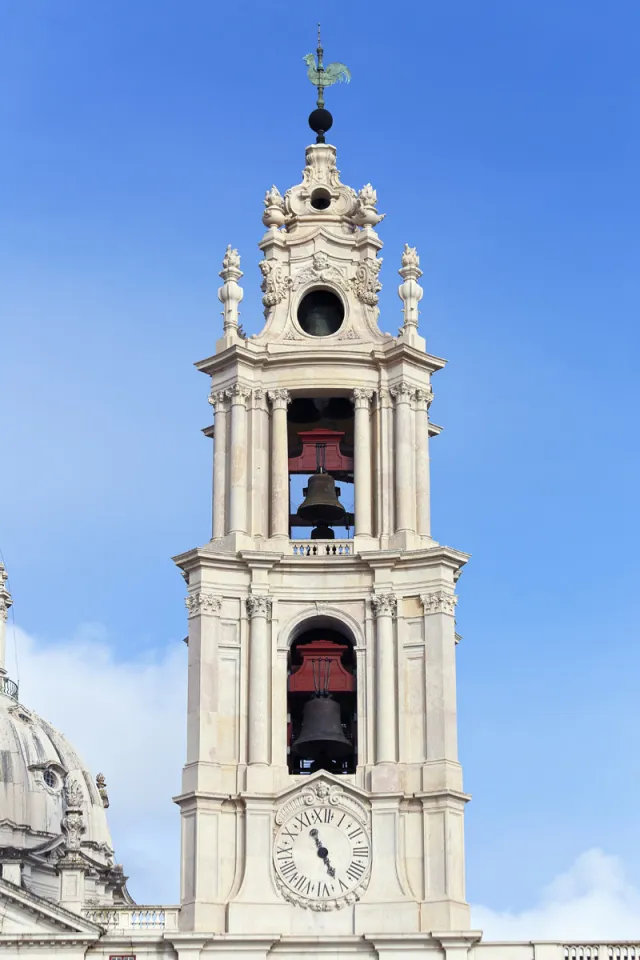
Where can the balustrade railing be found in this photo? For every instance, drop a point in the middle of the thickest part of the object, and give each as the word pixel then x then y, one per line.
pixel 134 918
pixel 322 548
pixel 9 687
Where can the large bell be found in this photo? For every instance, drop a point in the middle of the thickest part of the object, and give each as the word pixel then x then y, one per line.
pixel 321 734
pixel 321 504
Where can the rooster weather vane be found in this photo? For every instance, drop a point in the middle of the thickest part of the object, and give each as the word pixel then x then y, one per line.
pixel 321 77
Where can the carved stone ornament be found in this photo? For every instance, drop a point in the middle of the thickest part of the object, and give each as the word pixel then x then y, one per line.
pixel 101 785
pixel 273 215
pixel 439 602
pixel 258 607
pixel 5 597
pixel 424 399
pixel 239 393
pixel 336 874
pixel 410 262
pixel 219 400
pixel 276 282
pixel 280 398
pixel 362 398
pixel 202 603
pixel 365 284
pixel 230 293
pixel 73 795
pixel 366 214
pixel 230 262
pixel 403 392
pixel 410 291
pixel 385 604
pixel 320 270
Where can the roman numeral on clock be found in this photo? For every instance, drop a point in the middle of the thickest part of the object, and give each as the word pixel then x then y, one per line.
pixel 355 870
pixel 360 852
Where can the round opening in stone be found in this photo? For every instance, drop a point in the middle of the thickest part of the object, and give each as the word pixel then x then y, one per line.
pixel 320 313
pixel 320 199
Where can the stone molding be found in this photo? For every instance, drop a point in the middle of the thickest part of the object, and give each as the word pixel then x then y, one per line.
pixel 361 398
pixel 280 398
pixel 202 603
pixel 384 605
pixel 439 602
pixel 258 607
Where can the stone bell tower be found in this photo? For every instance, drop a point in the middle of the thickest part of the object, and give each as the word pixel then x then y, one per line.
pixel 289 830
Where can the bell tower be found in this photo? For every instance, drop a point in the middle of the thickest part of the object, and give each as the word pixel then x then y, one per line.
pixel 322 794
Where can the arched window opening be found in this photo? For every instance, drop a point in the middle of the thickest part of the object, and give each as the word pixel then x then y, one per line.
pixel 322 704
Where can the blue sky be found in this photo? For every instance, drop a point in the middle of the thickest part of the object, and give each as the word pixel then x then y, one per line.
pixel 138 139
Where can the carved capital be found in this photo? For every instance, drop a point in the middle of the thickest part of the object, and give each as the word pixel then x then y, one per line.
pixel 361 398
pixel 384 605
pixel 219 400
pixel 439 602
pixel 423 399
pixel 239 393
pixel 258 607
pixel 403 392
pixel 202 603
pixel 259 399
pixel 384 399
pixel 279 398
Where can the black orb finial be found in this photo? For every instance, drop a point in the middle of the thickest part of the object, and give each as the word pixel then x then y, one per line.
pixel 320 120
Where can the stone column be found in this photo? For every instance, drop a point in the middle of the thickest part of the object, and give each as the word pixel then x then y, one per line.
pixel 220 403
pixel 403 456
pixel 423 485
pixel 238 453
pixel 384 609
pixel 362 461
pixel 259 610
pixel 259 473
pixel 202 681
pixel 440 633
pixel 279 464
pixel 386 463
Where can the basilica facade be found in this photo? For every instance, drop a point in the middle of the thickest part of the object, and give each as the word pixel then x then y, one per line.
pixel 322 801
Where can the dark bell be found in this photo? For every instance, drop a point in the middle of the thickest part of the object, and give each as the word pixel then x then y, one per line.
pixel 321 734
pixel 321 505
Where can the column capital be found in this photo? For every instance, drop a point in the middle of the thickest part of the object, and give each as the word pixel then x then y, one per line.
pixel 202 603
pixel 361 398
pixel 280 398
pixel 219 400
pixel 439 602
pixel 384 605
pixel 239 393
pixel 258 607
pixel 384 398
pixel 423 399
pixel 403 392
pixel 259 399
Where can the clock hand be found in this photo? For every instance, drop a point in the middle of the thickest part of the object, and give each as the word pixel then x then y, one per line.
pixel 323 853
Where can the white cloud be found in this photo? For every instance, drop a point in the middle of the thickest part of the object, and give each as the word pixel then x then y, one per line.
pixel 126 719
pixel 593 902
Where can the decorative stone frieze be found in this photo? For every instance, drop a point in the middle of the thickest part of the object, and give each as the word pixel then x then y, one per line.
pixel 258 607
pixel 365 284
pixel 384 605
pixel 439 602
pixel 202 603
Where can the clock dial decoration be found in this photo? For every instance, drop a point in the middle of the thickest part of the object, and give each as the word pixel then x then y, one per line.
pixel 322 849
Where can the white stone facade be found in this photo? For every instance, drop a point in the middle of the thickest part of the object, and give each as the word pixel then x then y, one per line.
pixel 394 882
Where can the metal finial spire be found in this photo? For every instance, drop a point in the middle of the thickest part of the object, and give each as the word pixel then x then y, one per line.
pixel 322 77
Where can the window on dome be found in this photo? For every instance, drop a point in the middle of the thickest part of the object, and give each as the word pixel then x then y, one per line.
pixel 50 778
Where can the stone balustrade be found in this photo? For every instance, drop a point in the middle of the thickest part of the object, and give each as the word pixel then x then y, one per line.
pixel 322 548
pixel 135 918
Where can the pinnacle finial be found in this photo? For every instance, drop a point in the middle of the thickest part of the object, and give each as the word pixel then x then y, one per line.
pixel 321 77
pixel 6 601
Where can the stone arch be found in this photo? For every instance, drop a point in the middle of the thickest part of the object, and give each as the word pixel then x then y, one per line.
pixel 330 617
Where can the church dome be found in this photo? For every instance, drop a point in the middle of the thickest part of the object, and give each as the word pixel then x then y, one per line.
pixel 36 763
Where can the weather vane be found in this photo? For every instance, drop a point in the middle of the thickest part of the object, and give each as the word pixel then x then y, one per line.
pixel 322 77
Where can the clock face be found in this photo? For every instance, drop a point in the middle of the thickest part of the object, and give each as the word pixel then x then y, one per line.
pixel 322 855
